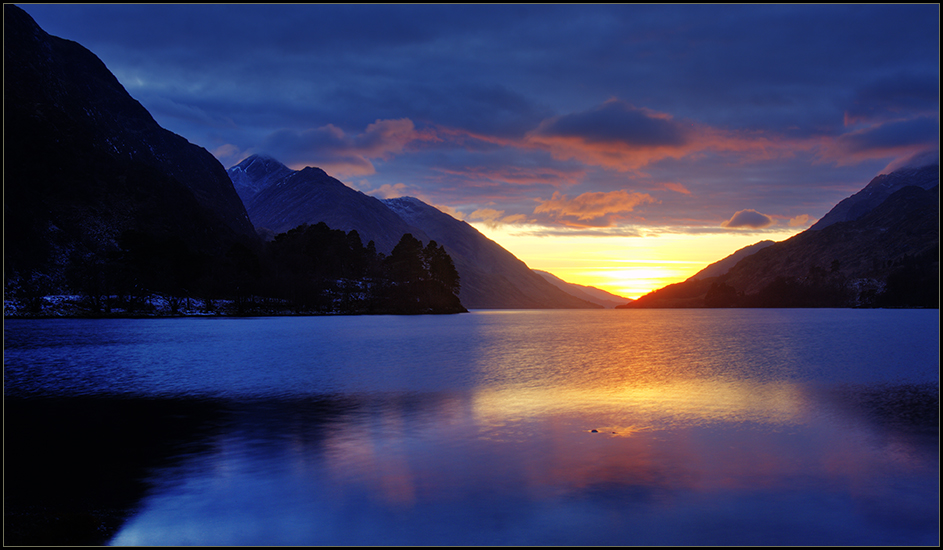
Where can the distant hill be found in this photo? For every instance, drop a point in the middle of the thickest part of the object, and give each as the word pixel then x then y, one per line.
pixel 588 293
pixel 886 256
pixel 85 164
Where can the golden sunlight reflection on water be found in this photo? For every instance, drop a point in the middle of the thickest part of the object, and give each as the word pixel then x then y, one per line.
pixel 652 406
pixel 527 427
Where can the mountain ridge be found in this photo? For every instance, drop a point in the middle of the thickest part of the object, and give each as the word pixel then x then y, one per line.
pixel 491 277
pixel 284 199
pixel 876 191
pixel 887 256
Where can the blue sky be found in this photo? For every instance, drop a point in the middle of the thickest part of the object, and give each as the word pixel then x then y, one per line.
pixel 600 120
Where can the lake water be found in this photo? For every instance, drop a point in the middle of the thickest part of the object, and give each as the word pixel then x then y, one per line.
pixel 628 427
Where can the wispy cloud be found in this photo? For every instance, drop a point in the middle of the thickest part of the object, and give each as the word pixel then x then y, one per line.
pixel 338 152
pixel 591 209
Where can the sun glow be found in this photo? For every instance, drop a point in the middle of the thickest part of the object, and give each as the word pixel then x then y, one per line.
pixel 628 266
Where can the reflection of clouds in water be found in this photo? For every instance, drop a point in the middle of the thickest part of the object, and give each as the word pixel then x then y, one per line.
pixel 732 427
pixel 387 466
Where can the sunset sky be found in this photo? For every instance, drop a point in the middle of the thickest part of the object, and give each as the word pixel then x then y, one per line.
pixel 620 146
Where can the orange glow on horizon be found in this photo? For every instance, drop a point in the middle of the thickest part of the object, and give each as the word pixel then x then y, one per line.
pixel 626 266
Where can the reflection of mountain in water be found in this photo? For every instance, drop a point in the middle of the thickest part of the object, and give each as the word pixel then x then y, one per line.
pixel 424 459
pixel 81 463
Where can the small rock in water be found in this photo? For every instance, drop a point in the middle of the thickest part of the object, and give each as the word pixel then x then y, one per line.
pixel 594 431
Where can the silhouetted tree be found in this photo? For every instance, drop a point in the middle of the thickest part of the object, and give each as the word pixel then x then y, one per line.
pixel 440 267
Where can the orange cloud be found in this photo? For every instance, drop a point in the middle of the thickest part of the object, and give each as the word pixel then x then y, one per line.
pixel 619 136
pixel 592 206
pixel 387 191
pixel 799 221
pixel 622 137
pixel 494 218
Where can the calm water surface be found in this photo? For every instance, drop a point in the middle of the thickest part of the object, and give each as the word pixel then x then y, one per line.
pixel 512 427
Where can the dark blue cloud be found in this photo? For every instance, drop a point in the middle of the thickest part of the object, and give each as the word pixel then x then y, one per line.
pixel 616 122
pixel 896 96
pixel 913 132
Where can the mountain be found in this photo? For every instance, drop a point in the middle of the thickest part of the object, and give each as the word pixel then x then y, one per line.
pixel 721 267
pixel 879 189
pixel 284 199
pixel 255 174
pixel 887 256
pixel 491 277
pixel 588 293
pixel 85 163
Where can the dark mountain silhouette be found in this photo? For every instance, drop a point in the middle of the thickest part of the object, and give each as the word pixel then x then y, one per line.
pixel 492 277
pixel 588 293
pixel 887 256
pixel 85 164
pixel 284 199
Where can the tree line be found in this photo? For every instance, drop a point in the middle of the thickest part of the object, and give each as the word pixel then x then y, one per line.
pixel 310 269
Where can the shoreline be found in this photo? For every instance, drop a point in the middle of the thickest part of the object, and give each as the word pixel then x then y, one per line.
pixel 64 306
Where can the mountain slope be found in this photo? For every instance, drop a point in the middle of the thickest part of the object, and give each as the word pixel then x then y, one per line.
pixel 255 174
pixel 85 162
pixel 905 225
pixel 887 256
pixel 491 277
pixel 877 190
pixel 285 199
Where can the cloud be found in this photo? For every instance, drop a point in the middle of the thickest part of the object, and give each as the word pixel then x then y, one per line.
pixel 494 218
pixel 489 216
pixel 514 175
pixel 227 151
pixel 615 122
pixel 799 221
pixel 897 139
pixel 676 187
pixel 594 208
pixel 615 135
pixel 748 218
pixel 919 131
pixel 619 136
pixel 339 153
pixel 387 191
pixel 917 160
pixel 892 97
